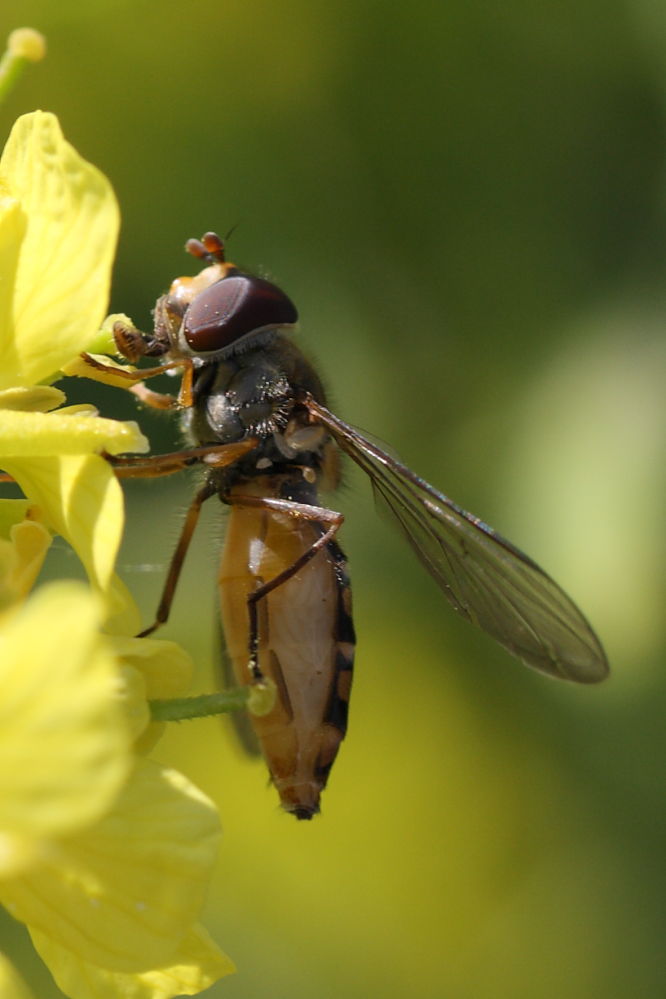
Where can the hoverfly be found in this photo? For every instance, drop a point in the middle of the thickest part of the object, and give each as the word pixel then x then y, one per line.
pixel 254 411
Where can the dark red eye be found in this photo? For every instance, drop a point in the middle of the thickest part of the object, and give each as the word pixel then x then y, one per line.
pixel 233 308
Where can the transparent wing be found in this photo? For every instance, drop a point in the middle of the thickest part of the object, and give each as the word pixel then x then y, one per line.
pixel 485 578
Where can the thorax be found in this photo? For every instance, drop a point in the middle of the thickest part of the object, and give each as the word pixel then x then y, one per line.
pixel 255 393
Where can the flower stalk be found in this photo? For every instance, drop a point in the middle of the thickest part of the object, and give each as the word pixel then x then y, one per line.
pixel 24 45
pixel 258 699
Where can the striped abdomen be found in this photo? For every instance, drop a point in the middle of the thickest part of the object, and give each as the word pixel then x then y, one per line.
pixel 306 641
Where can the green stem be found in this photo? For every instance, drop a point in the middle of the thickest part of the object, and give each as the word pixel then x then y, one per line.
pixel 24 45
pixel 11 68
pixel 184 708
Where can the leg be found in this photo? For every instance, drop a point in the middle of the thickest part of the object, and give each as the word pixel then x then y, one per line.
pixel 216 456
pixel 127 375
pixel 115 374
pixel 156 400
pixel 300 511
pixel 178 558
pixel 156 465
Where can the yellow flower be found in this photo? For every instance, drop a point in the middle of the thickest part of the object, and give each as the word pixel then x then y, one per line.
pixel 65 743
pixel 197 965
pixel 58 230
pixel 24 542
pixel 152 669
pixel 11 985
pixel 104 855
pixel 105 858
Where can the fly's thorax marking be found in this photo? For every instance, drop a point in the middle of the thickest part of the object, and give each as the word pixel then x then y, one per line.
pixel 266 464
pixel 213 418
pixel 247 394
pixel 298 437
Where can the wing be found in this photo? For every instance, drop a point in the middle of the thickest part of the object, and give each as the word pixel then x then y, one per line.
pixel 485 578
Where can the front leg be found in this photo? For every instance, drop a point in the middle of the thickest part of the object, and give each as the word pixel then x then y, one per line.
pixel 133 379
pixel 155 466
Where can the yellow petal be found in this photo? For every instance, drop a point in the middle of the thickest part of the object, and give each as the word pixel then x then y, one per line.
pixel 123 615
pixel 21 558
pixel 37 398
pixel 79 409
pixel 13 224
pixel 133 700
pixel 63 739
pixel 63 270
pixel 81 499
pixel 12 512
pixel 12 985
pixel 149 737
pixel 197 964
pixel 38 434
pixel 123 894
pixel 164 669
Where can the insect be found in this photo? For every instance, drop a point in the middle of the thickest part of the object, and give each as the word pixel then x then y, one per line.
pixel 254 412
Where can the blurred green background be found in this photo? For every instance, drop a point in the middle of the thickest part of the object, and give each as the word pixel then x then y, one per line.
pixel 467 202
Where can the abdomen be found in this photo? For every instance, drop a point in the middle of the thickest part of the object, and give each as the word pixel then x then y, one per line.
pixel 306 642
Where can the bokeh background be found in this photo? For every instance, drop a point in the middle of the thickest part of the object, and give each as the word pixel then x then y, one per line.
pixel 467 201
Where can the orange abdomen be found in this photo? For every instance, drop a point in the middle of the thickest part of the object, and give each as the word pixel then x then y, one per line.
pixel 306 643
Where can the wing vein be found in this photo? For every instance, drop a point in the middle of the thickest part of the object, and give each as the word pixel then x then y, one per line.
pixel 484 577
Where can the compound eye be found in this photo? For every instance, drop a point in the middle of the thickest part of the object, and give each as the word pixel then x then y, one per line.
pixel 234 308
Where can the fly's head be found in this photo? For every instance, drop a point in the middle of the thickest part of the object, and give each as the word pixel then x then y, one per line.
pixel 213 315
